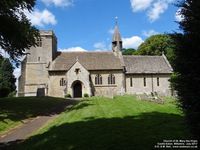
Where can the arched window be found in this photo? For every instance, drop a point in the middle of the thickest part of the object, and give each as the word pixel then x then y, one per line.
pixel 98 79
pixel 62 82
pixel 111 79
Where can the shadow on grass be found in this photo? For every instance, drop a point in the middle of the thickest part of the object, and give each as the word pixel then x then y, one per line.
pixel 131 132
pixel 18 109
pixel 80 104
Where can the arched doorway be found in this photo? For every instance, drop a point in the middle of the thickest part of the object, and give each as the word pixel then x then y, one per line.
pixel 77 90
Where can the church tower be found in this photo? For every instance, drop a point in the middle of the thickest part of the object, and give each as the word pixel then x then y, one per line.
pixel 34 77
pixel 117 41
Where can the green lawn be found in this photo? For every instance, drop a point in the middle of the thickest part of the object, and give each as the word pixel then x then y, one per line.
pixel 102 123
pixel 14 111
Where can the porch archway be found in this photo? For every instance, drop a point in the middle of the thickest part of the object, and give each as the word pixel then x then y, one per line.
pixel 77 89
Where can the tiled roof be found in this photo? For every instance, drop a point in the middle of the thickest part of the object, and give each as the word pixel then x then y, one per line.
pixel 89 60
pixel 147 64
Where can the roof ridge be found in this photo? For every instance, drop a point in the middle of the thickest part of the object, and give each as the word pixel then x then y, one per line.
pixel 85 51
pixel 90 60
pixel 146 64
pixel 142 56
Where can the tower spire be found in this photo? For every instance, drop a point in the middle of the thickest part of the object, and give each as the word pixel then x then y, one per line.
pixel 117 40
pixel 116 36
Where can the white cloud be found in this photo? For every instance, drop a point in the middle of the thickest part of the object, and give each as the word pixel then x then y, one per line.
pixel 149 33
pixel 154 7
pixel 111 31
pixel 100 45
pixel 40 18
pixel 178 16
pixel 139 5
pixel 132 42
pixel 74 49
pixel 158 8
pixel 58 3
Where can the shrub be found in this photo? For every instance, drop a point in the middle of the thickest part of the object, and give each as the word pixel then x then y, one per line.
pixel 68 95
pixel 12 94
pixel 152 94
pixel 86 95
pixel 4 92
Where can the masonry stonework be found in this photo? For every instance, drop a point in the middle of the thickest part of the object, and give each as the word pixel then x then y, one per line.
pixel 78 73
pixel 154 83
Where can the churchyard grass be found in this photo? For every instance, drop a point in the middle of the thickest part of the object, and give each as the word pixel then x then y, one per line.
pixel 14 111
pixel 120 123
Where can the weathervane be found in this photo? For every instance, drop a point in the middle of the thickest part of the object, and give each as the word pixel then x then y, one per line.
pixel 116 20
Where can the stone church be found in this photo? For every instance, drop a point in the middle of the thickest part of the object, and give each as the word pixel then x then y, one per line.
pixel 48 72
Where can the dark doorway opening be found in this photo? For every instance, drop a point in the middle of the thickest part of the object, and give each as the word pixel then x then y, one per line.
pixel 41 92
pixel 77 90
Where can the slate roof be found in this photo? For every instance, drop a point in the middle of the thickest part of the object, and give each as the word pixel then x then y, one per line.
pixel 147 64
pixel 89 60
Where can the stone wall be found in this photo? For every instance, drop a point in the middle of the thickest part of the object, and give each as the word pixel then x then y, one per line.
pixel 105 89
pixel 87 80
pixel 151 84
pixel 36 77
pixel 54 87
pixel 78 73
pixel 22 79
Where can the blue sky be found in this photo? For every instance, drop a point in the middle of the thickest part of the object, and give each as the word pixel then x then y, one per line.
pixel 89 24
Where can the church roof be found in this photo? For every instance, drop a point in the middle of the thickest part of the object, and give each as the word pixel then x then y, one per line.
pixel 89 60
pixel 147 64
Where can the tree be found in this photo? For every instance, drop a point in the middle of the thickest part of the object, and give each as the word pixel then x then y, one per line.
pixel 7 79
pixel 129 51
pixel 16 32
pixel 156 45
pixel 1 59
pixel 187 63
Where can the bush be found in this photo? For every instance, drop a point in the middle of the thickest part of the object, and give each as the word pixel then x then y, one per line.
pixel 4 92
pixel 68 95
pixel 12 94
pixel 86 95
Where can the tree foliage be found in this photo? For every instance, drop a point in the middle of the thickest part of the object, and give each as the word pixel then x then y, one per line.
pixel 156 45
pixel 16 32
pixel 187 63
pixel 130 51
pixel 1 59
pixel 7 79
pixel 4 92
